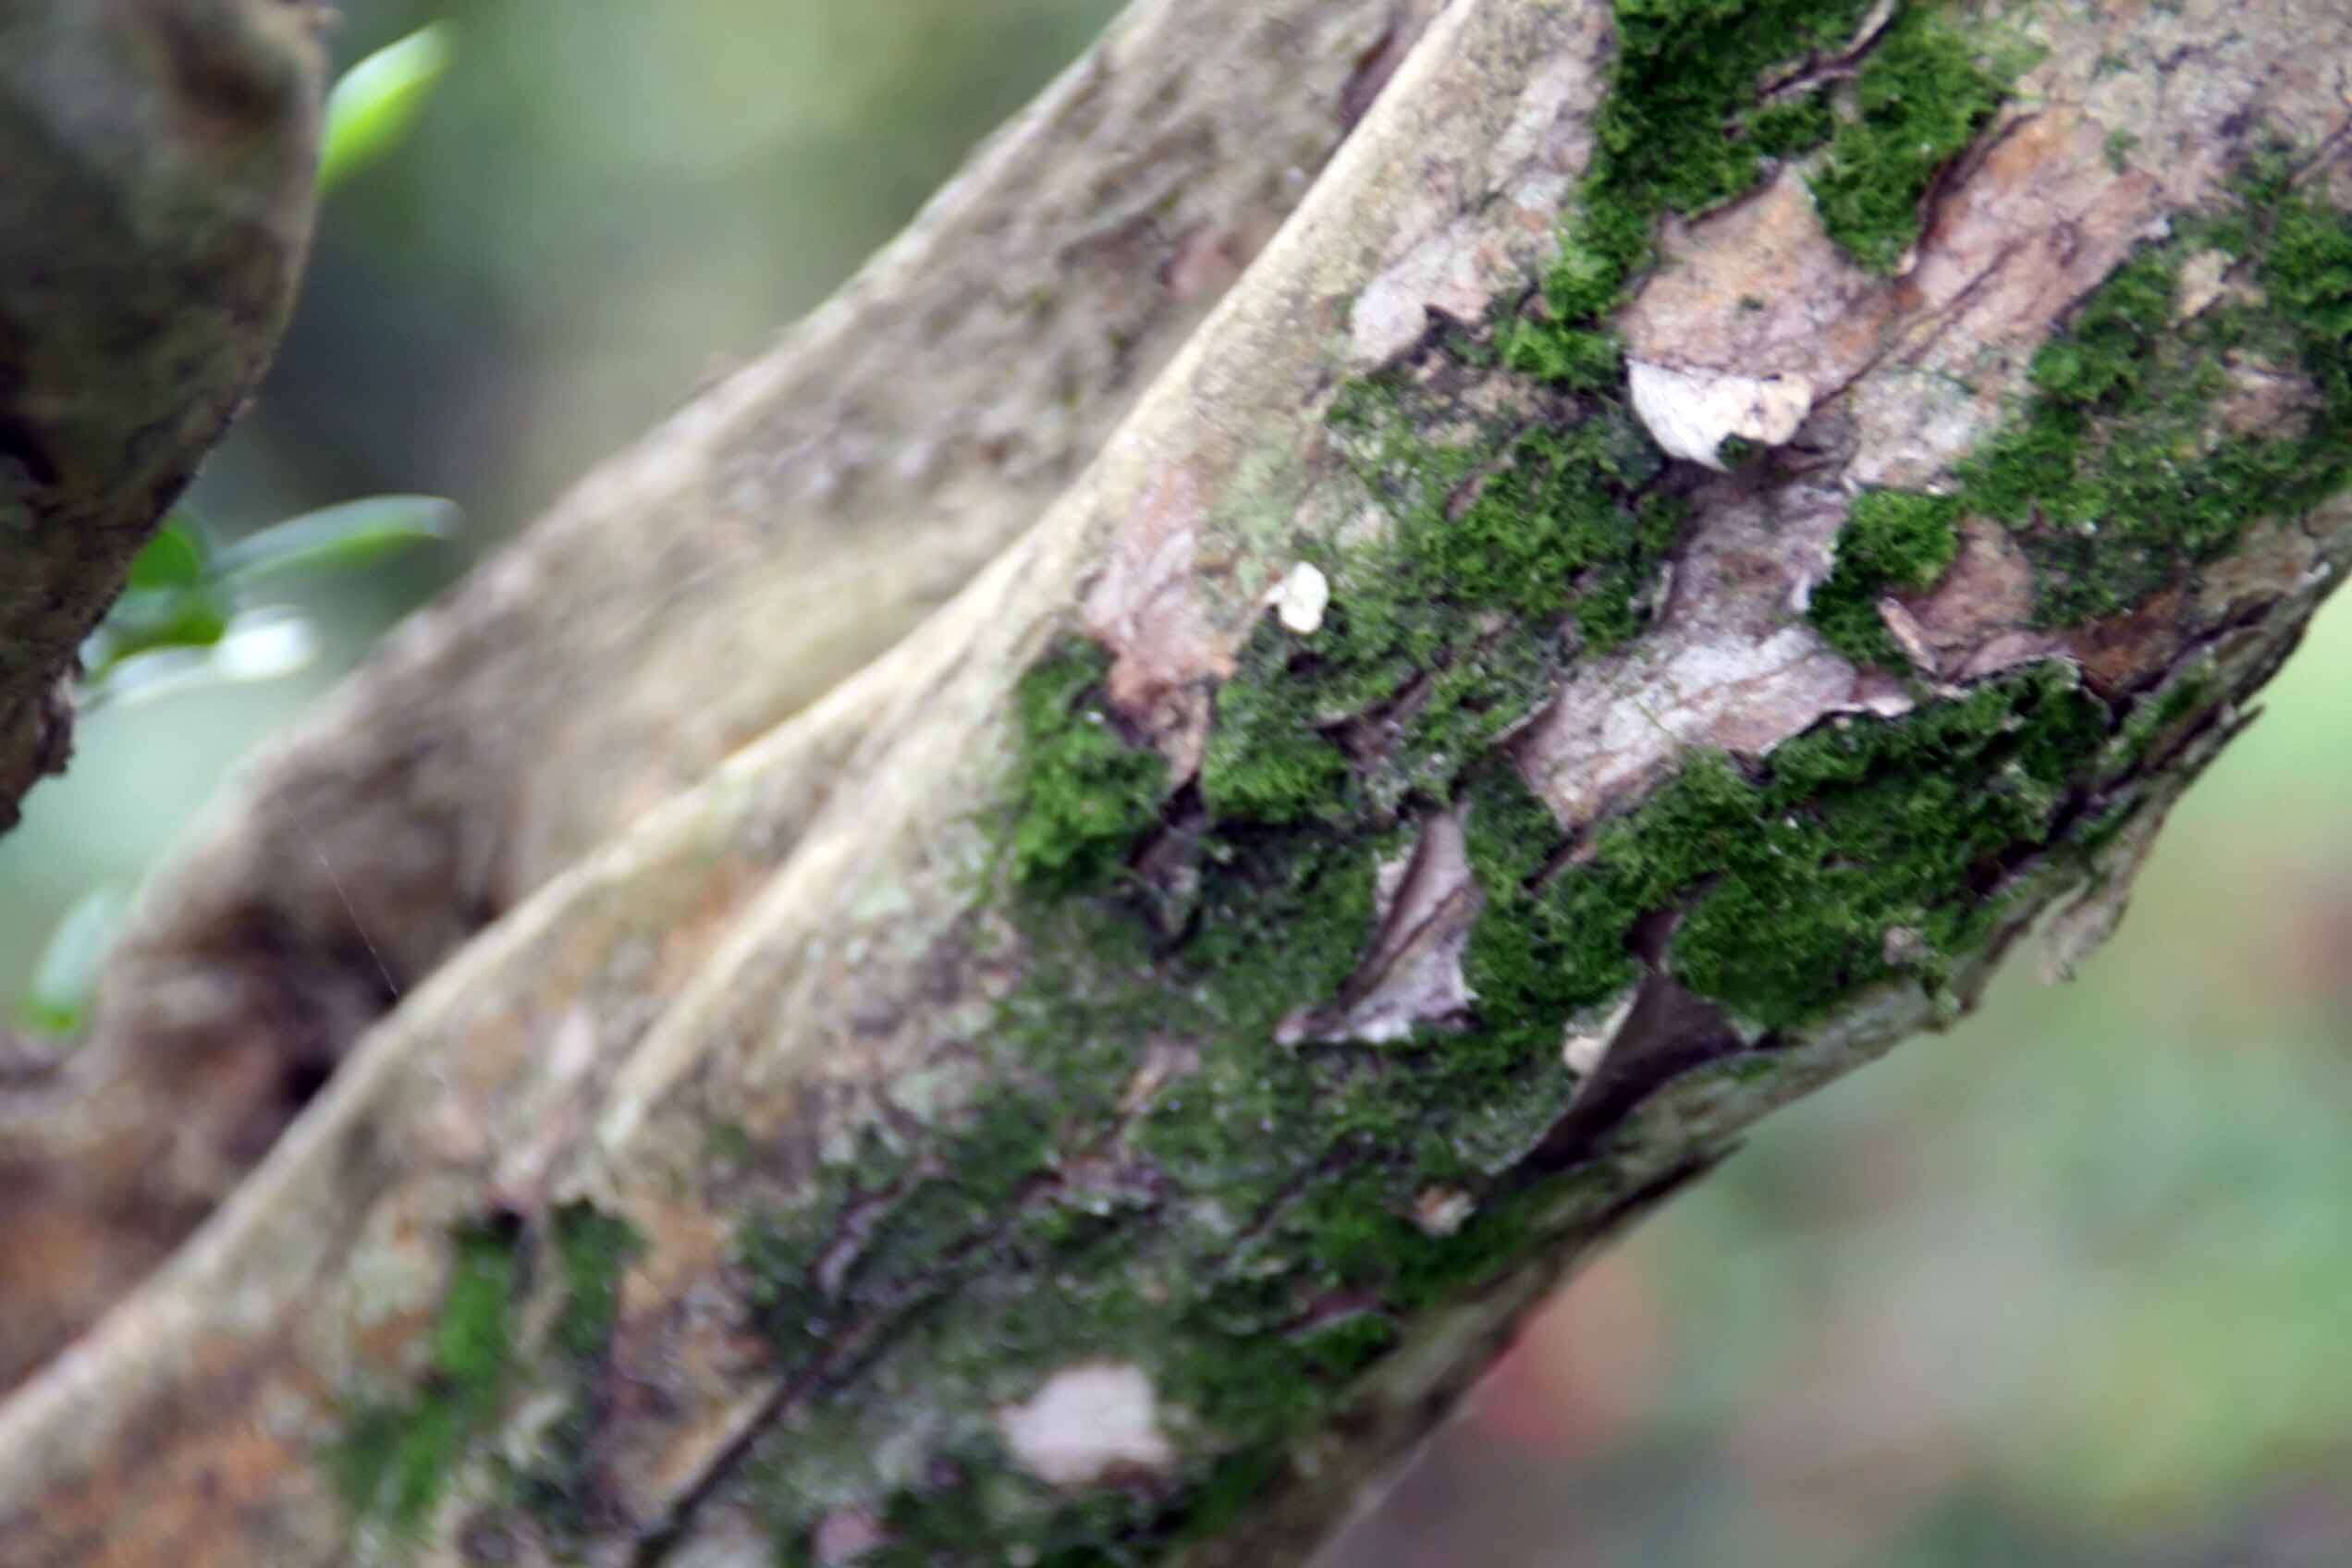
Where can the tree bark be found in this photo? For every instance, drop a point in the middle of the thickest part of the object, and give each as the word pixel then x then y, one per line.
pixel 161 162
pixel 787 527
pixel 1502 710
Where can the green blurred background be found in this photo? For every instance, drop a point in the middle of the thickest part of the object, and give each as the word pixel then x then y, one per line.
pixel 2070 1286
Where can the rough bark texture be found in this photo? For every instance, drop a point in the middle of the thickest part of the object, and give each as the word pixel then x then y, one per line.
pixel 160 158
pixel 1095 1084
pixel 787 526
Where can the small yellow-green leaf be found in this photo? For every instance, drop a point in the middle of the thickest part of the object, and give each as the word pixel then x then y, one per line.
pixel 346 535
pixel 146 619
pixel 377 101
pixel 65 980
pixel 173 558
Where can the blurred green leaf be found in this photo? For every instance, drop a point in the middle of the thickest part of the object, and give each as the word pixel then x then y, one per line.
pixel 346 535
pixel 269 643
pixel 173 558
pixel 66 981
pixel 147 619
pixel 377 101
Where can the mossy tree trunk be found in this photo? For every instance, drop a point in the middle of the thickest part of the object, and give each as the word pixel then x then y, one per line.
pixel 1703 528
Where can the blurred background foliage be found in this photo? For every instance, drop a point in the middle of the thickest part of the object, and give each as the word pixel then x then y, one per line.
pixel 2072 1285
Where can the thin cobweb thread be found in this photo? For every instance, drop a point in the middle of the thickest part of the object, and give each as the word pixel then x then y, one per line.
pixel 390 984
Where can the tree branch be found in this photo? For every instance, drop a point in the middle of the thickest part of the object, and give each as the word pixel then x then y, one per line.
pixel 787 526
pixel 152 223
pixel 1097 1084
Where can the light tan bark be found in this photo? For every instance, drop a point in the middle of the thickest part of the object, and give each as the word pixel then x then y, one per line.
pixel 790 524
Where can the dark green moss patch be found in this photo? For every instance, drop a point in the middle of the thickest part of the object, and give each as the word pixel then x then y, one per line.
pixel 1086 793
pixel 1262 1253
pixel 1843 836
pixel 2118 476
pixel 1922 97
pixel 1894 541
pixel 1578 359
pixel 1792 129
pixel 394 1461
pixel 592 1250
pixel 1859 832
pixel 1680 130
pixel 1165 1167
pixel 1506 558
pixel 1683 130
pixel 2121 472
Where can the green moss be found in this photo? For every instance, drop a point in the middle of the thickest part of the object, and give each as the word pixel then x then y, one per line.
pixel 1739 451
pixel 778 1253
pixel 1447 633
pixel 727 1144
pixel 1922 98
pixel 1267 760
pixel 1282 1177
pixel 2114 476
pixel 593 1251
pixel 1447 637
pixel 1249 1233
pixel 1894 541
pixel 1843 836
pixel 1679 131
pixel 1860 831
pixel 1084 793
pixel 2118 474
pixel 2307 268
pixel 394 1461
pixel 1579 360
pixel 1792 129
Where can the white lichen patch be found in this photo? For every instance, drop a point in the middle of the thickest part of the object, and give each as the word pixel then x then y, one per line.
pixel 1089 1422
pixel 1692 413
pixel 1442 1211
pixel 1300 598
pixel 1586 1042
pixel 2200 283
